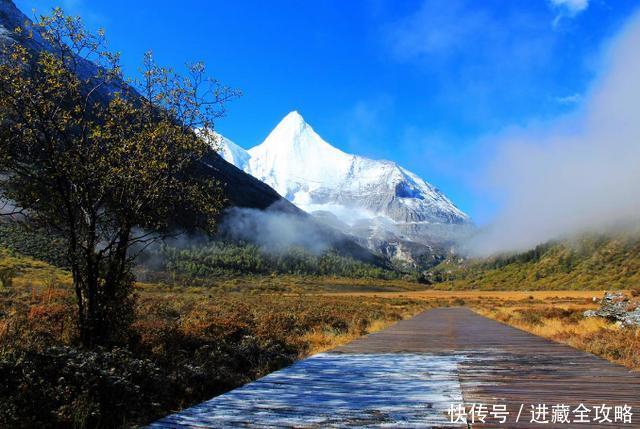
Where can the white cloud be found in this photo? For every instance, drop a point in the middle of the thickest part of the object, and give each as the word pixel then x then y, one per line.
pixel 559 181
pixel 571 7
pixel 567 8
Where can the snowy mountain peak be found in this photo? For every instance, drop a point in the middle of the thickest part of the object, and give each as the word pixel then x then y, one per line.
pixel 289 130
pixel 294 137
pixel 292 119
pixel 314 175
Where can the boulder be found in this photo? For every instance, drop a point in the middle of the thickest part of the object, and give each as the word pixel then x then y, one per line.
pixel 617 307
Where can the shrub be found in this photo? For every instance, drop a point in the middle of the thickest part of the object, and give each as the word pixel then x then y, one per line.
pixel 7 274
pixel 86 388
pixel 530 317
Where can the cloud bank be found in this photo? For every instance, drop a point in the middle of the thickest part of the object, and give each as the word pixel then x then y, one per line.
pixel 275 231
pixel 565 180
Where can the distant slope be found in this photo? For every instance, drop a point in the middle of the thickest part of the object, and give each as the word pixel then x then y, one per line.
pixel 586 262
pixel 33 243
pixel 29 271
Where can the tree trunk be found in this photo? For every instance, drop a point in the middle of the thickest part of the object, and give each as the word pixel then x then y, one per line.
pixel 102 284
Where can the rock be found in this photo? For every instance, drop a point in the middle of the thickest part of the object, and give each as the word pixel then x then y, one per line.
pixel 617 308
pixel 632 318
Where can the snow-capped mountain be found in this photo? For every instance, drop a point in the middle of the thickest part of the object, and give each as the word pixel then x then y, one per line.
pixel 308 171
pixel 377 201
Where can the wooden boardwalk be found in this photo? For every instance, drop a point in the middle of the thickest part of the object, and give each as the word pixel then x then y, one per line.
pixel 412 374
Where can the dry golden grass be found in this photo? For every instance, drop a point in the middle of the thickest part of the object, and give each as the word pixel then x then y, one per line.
pixel 314 323
pixel 548 327
pixel 289 283
pixel 31 272
pixel 477 294
pixel 320 340
pixel 563 322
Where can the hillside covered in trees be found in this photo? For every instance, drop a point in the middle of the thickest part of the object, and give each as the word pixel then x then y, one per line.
pixel 224 258
pixel 594 261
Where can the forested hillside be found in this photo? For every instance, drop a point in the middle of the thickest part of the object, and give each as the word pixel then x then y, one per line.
pixel 585 262
pixel 33 242
pixel 232 259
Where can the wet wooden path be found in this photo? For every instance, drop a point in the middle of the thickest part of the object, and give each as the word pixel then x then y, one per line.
pixel 422 373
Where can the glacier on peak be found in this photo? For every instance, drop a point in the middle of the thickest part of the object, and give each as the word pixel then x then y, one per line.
pixel 315 176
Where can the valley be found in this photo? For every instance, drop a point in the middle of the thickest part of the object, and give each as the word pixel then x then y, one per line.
pixel 189 342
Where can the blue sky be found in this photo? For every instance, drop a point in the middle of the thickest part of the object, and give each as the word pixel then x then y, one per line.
pixel 426 83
